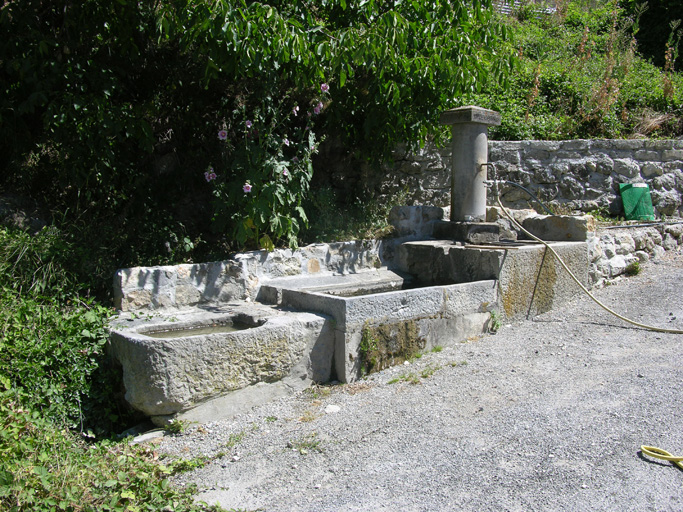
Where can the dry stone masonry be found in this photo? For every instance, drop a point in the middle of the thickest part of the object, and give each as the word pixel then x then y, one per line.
pixel 239 278
pixel 582 175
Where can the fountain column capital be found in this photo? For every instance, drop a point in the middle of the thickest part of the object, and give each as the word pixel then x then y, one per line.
pixel 470 114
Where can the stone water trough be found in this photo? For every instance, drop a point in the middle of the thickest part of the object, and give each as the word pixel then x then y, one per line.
pixel 198 342
pixel 180 361
pixel 172 363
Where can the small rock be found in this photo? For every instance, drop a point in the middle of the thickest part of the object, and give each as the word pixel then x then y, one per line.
pixel 331 409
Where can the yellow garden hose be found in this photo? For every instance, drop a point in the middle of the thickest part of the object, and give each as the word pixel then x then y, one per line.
pixel 651 451
pixel 658 453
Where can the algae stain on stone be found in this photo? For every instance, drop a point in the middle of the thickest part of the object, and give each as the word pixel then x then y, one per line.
pixel 241 366
pixel 525 285
pixel 387 345
pixel 545 292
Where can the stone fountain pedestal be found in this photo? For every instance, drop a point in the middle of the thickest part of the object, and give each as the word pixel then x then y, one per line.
pixel 469 127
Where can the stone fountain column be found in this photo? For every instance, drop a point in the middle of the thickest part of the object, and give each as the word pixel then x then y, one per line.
pixel 469 126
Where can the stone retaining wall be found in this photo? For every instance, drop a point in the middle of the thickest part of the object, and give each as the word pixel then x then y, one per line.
pixel 610 251
pixel 582 175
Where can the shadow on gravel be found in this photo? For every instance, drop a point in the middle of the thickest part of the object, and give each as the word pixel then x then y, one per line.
pixel 658 462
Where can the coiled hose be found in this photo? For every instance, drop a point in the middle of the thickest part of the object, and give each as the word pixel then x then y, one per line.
pixel 658 453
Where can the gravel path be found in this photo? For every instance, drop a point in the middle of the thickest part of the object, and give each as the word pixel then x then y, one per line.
pixel 548 414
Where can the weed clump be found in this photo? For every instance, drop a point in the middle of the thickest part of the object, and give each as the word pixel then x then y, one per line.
pixel 633 269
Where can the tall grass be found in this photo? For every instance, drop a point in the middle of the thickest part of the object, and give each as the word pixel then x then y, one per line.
pixel 580 75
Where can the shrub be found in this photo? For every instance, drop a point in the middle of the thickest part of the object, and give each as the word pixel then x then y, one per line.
pixel 149 86
pixel 46 468
pixel 52 339
pixel 54 351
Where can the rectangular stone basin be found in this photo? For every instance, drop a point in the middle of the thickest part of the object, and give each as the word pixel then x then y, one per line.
pixel 271 354
pixel 376 330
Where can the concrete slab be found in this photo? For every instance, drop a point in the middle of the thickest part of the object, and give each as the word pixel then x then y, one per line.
pixel 368 281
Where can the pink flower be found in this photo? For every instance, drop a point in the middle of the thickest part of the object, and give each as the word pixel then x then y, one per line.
pixel 286 172
pixel 210 175
pixel 286 141
pixel 295 159
pixel 249 124
pixel 295 110
pixel 324 87
pixel 318 108
pixel 246 188
pixel 222 135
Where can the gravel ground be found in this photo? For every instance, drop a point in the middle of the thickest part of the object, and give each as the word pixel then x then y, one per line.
pixel 547 414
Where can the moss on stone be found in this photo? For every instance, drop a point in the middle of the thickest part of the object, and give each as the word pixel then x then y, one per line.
pixel 386 345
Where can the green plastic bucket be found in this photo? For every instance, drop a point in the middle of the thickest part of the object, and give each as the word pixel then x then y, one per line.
pixel 637 201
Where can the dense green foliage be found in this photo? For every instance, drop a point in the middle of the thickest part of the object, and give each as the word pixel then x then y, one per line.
pixel 43 468
pixel 52 338
pixel 52 350
pixel 581 76
pixel 103 101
